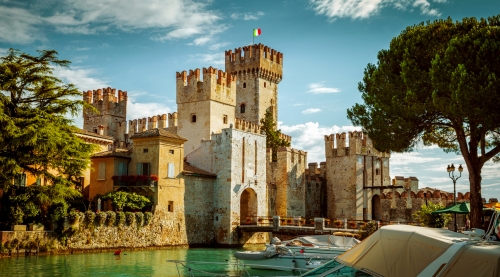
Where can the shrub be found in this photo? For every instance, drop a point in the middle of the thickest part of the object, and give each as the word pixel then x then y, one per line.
pixel 81 217
pixel 89 217
pixel 130 217
pixel 111 218
pixel 73 217
pixel 120 218
pixel 101 218
pixel 351 224
pixel 427 218
pixel 148 216
pixel 367 229
pixel 139 218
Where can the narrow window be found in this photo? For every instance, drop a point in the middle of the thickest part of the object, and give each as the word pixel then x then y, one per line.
pixel 122 168
pixel 145 150
pixel 255 159
pixel 244 85
pixel 20 180
pixel 170 206
pixel 142 169
pixel 243 161
pixel 242 108
pixel 377 171
pixel 264 84
pixel 102 171
pixel 95 130
pixel 193 118
pixel 224 119
pixel 38 181
pixel 171 151
pixel 171 170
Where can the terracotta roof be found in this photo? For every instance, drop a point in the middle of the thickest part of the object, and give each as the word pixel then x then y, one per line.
pixel 157 132
pixel 194 171
pixel 91 134
pixel 116 153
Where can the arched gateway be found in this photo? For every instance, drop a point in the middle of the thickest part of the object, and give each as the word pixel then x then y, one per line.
pixel 376 208
pixel 248 205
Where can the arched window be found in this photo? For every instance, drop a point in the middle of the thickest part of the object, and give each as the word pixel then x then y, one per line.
pixel 242 108
pixel 193 118
pixel 244 85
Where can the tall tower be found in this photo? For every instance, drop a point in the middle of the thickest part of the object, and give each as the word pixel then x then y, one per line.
pixel 111 118
pixel 259 70
pixel 204 107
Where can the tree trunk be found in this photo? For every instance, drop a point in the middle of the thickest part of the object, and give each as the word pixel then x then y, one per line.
pixel 476 201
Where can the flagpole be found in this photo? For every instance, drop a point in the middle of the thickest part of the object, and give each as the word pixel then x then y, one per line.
pixel 253 37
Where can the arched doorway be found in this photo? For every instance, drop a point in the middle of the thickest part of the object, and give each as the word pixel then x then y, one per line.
pixel 376 208
pixel 248 205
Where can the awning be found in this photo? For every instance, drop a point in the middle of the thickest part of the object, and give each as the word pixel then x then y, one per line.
pixel 461 208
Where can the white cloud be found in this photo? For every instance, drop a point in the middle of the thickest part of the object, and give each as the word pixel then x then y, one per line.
pixel 81 77
pixel 170 19
pixel 310 137
pixel 137 110
pixel 247 16
pixel 209 59
pixel 334 9
pixel 310 111
pixel 411 158
pixel 318 88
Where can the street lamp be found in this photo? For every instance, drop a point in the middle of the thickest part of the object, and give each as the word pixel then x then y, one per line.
pixel 451 170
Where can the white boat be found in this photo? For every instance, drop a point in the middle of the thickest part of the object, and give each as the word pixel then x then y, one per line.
pixel 279 258
pixel 403 250
pixel 324 246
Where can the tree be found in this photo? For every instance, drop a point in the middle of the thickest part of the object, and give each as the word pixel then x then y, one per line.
pixel 36 137
pixel 438 83
pixel 427 218
pixel 122 199
pixel 273 136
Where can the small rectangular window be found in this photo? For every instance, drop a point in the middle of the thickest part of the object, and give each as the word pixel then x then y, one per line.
pixel 224 119
pixel 145 150
pixel 171 170
pixel 20 180
pixel 142 169
pixel 377 171
pixel 171 151
pixel 170 206
pixel 38 181
pixel 101 175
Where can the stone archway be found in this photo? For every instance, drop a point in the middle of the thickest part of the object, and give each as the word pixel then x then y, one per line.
pixel 376 208
pixel 248 205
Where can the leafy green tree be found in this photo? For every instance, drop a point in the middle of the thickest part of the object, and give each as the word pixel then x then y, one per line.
pixel 36 137
pixel 427 218
pixel 438 83
pixel 273 136
pixel 122 199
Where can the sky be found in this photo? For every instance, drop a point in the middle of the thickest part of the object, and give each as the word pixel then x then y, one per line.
pixel 138 45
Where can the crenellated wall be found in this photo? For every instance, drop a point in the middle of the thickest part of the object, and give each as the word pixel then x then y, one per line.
pixel 315 194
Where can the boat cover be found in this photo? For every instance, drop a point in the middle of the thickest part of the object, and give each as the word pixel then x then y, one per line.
pixel 476 260
pixel 325 240
pixel 400 250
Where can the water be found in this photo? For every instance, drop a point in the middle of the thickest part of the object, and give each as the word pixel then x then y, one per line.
pixel 129 263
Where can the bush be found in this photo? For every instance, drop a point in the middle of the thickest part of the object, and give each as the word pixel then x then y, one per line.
pixel 111 218
pixel 73 217
pixel 120 218
pixel 101 218
pixel 89 217
pixel 148 216
pixel 367 229
pixel 427 218
pixel 130 218
pixel 139 218
pixel 81 217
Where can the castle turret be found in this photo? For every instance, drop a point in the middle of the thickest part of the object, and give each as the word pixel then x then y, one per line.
pixel 259 70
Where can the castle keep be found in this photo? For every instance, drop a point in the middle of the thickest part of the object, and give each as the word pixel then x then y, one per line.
pixel 211 166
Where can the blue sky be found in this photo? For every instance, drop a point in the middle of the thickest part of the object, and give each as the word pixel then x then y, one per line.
pixel 139 45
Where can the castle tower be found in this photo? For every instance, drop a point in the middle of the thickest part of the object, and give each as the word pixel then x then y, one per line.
pixel 356 176
pixel 112 109
pixel 259 70
pixel 204 106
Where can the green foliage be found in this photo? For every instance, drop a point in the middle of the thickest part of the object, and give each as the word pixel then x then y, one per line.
pixel 438 83
pixel 148 216
pixel 89 217
pixel 130 218
pixel 100 218
pixel 122 199
pixel 120 218
pixel 139 218
pixel 73 217
pixel 273 136
pixel 366 230
pixel 426 218
pixel 111 218
pixel 36 137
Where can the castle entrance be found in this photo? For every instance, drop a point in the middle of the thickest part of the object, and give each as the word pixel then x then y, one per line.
pixel 376 208
pixel 248 205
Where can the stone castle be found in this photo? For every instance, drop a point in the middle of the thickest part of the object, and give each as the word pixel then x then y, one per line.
pixel 211 167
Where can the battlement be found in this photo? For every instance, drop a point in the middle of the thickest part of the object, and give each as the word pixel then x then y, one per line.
pixel 286 138
pixel 213 84
pixel 258 59
pixel 352 143
pixel 105 94
pixel 244 125
pixel 156 121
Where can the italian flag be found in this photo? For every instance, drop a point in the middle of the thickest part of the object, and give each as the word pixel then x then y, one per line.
pixel 256 32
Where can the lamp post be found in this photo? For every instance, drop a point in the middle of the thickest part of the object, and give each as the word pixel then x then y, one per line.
pixel 451 170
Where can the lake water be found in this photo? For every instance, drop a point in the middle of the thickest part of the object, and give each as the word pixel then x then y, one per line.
pixel 129 263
